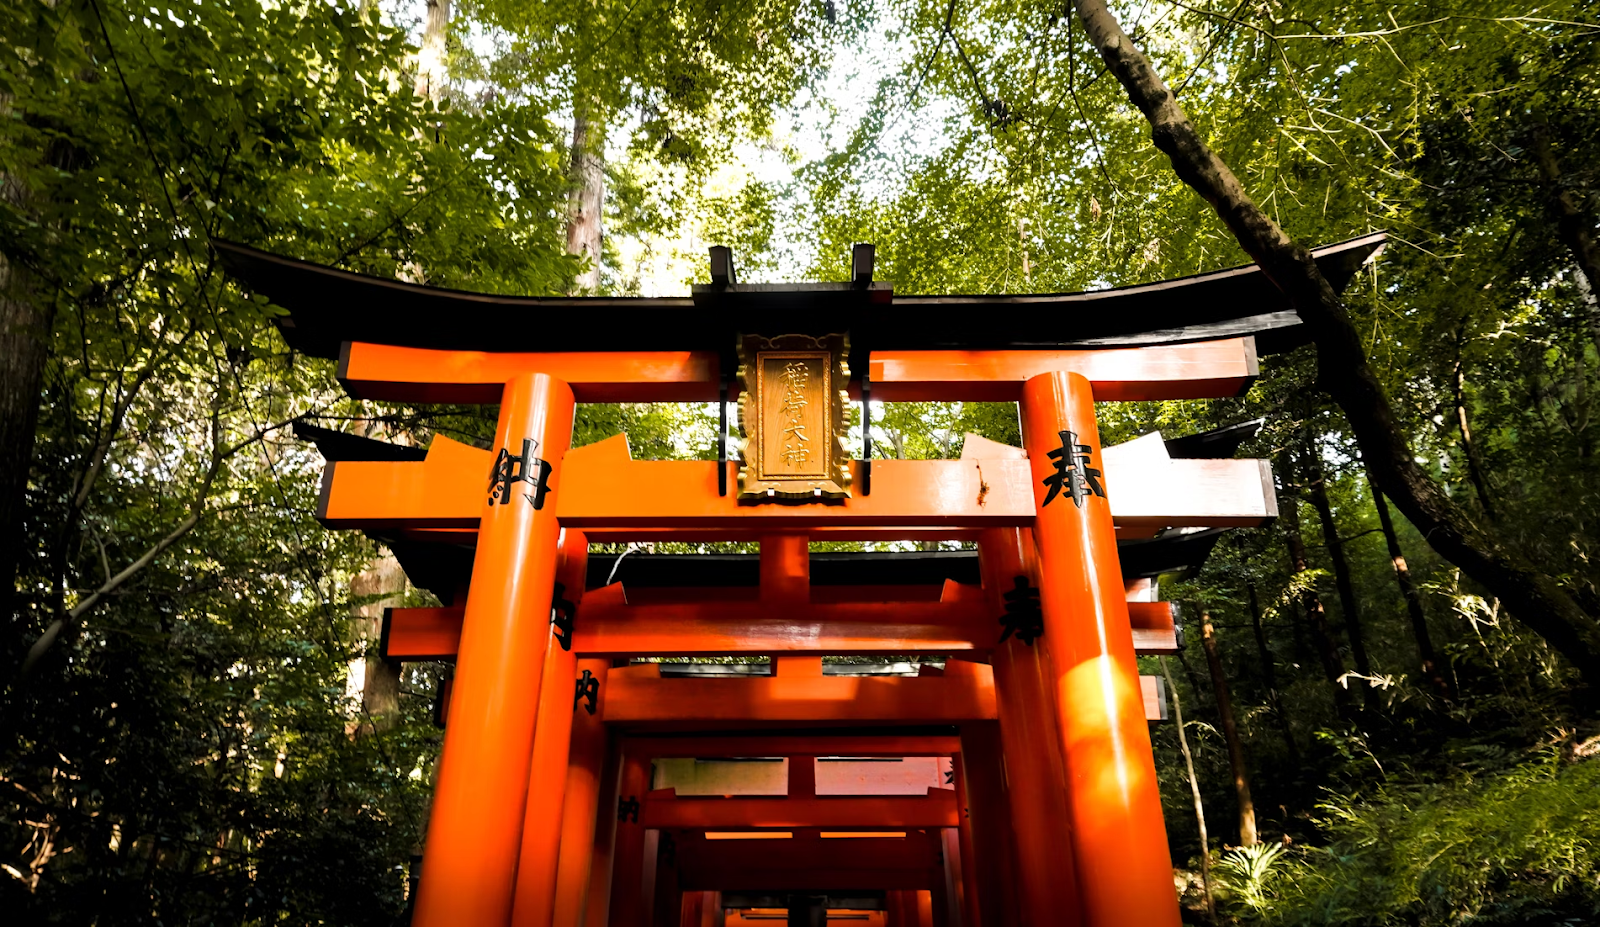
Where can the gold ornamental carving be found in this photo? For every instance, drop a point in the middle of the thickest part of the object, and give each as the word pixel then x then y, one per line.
pixel 792 404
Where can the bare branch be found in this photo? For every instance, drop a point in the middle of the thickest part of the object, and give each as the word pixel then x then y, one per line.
pixel 197 508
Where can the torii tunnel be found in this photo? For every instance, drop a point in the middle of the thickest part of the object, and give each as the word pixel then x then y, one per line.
pixel 993 767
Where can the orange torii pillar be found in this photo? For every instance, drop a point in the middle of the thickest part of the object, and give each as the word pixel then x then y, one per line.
pixel 628 848
pixel 596 902
pixel 552 739
pixel 1113 801
pixel 1047 882
pixel 990 858
pixel 582 800
pixel 469 868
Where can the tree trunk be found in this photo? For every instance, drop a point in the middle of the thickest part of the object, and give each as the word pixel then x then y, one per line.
pixel 1575 229
pixel 1429 660
pixel 1310 601
pixel 1230 733
pixel 26 319
pixel 430 56
pixel 1475 469
pixel 1317 492
pixel 1194 789
pixel 586 199
pixel 379 687
pixel 1343 369
pixel 1269 676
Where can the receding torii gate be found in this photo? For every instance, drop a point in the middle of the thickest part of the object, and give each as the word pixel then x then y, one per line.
pixel 1071 709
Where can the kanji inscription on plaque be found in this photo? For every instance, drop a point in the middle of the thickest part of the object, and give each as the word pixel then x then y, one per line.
pixel 792 414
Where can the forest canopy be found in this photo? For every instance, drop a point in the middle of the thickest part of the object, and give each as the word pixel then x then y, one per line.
pixel 1388 695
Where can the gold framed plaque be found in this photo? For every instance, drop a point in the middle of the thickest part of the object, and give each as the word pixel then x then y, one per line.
pixel 792 406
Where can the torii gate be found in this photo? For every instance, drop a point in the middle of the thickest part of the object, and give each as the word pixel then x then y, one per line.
pixel 515 834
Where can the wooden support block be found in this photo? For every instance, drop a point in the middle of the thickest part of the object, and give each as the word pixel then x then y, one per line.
pixel 1154 690
pixel 1155 630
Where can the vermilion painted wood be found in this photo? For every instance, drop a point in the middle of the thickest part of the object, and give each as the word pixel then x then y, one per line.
pixel 667 892
pixel 818 595
pixel 615 492
pixel 1209 369
pixel 711 915
pixel 1155 629
pixel 693 908
pixel 1046 878
pixel 961 885
pixel 952 904
pixel 627 878
pixel 785 570
pixel 817 533
pixel 787 624
pixel 1144 529
pixel 1201 370
pixel 596 905
pixel 1113 800
pixel 988 802
pixel 640 697
pixel 895 904
pixel 665 811
pixel 650 860
pixel 966 621
pixel 475 830
pixel 798 744
pixel 604 489
pixel 737 864
pixel 772 917
pixel 583 791
pixel 534 904
pixel 1151 695
pixel 379 371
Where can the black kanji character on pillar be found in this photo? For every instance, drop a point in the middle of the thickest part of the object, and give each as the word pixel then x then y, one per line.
pixel 562 615
pixel 510 468
pixel 1073 472
pixel 1023 616
pixel 588 691
pixel 628 809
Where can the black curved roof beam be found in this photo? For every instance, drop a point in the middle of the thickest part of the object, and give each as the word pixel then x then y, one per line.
pixel 328 306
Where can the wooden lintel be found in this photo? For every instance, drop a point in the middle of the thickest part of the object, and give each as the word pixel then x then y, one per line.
pixel 600 487
pixel 665 811
pixel 638 697
pixel 799 744
pixel 830 879
pixel 641 701
pixel 806 862
pixel 398 374
pixel 1198 370
pixel 917 624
